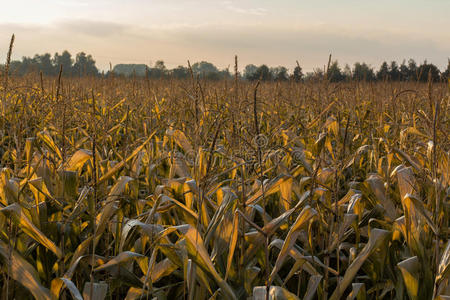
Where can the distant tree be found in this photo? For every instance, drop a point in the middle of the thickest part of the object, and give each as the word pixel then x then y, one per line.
pixel 412 69
pixel 22 67
pixel 224 73
pixel 317 74
pixel 249 71
pixel 180 72
pixel 394 72
pixel 84 65
pixel 159 70
pixel 204 68
pixel 159 64
pixel 347 72
pixel 44 63
pixel 446 74
pixel 279 73
pixel 65 59
pixel 14 67
pixel 425 69
pixel 404 71
pixel 383 72
pixel 297 75
pixel 361 71
pixel 212 75
pixel 334 72
pixel 262 73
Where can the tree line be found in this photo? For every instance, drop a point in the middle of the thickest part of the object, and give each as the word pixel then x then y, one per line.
pixel 84 65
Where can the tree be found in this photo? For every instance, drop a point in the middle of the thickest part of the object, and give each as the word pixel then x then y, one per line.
pixel 279 73
pixel 28 65
pixel 44 63
pixel 159 64
pixel 204 68
pixel 65 59
pixel 249 71
pixel 84 65
pixel 180 72
pixel 394 72
pixel 404 71
pixel 262 73
pixel 224 73
pixel 316 74
pixel 14 67
pixel 298 74
pixel 446 74
pixel 425 69
pixel 347 72
pixel 334 72
pixel 363 72
pixel 159 70
pixel 412 69
pixel 383 72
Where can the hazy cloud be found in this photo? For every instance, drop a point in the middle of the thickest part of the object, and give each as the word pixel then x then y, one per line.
pixel 175 43
pixel 77 3
pixel 94 28
pixel 258 11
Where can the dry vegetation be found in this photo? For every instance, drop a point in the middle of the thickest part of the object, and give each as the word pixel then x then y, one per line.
pixel 114 188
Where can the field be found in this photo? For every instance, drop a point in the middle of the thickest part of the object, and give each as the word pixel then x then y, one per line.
pixel 115 188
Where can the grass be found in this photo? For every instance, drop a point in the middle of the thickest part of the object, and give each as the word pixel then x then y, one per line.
pixel 115 188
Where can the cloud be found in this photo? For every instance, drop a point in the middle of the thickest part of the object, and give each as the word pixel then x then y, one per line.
pixel 311 45
pixel 218 43
pixel 93 28
pixel 77 3
pixel 247 11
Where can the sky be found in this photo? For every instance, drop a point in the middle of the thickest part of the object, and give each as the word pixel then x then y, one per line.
pixel 271 32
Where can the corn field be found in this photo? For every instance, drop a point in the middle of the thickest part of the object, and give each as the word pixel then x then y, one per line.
pixel 130 188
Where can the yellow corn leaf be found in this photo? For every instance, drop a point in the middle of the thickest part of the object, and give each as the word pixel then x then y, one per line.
pixel 186 209
pixel 419 208
pixel 180 139
pixel 269 188
pixel 135 293
pixel 444 265
pixel 162 268
pixel 233 243
pixel 275 293
pixel 48 140
pixel 226 204
pixel 121 258
pixel 358 292
pixel 303 218
pixel 305 262
pixel 410 272
pixel 136 167
pixel 120 165
pixel 313 284
pixel 78 159
pixel 286 193
pixel 199 254
pixel 56 288
pixel 273 225
pixel 24 273
pixel 38 185
pixel 29 228
pixel 376 185
pixel 376 239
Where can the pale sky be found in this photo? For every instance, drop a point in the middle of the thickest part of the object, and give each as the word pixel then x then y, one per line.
pixel 272 32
